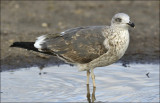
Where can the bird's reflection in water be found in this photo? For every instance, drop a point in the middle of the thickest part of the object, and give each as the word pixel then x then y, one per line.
pixel 89 98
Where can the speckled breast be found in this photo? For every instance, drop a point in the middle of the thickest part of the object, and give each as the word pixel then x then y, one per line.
pixel 120 43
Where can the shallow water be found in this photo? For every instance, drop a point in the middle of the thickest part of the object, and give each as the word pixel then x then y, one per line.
pixel 115 83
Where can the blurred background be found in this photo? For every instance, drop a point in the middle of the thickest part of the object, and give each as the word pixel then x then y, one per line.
pixel 26 20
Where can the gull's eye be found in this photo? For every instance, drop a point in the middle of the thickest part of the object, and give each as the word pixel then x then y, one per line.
pixel 118 19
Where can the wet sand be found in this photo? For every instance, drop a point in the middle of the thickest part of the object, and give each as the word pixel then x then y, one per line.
pixel 25 20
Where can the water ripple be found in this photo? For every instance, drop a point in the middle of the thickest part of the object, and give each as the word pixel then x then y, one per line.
pixel 115 83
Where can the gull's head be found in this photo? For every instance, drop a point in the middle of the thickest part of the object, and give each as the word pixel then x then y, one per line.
pixel 121 20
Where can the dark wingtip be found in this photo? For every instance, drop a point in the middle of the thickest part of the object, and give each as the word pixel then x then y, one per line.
pixel 13 45
pixel 29 46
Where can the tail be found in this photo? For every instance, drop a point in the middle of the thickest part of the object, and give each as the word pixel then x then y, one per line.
pixel 30 46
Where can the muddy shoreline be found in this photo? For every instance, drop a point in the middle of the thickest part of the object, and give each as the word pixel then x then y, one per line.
pixel 44 61
pixel 26 20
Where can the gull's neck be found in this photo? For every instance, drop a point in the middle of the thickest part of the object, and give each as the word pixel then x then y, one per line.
pixel 121 28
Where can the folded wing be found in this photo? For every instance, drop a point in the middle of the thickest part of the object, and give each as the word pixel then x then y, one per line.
pixel 77 45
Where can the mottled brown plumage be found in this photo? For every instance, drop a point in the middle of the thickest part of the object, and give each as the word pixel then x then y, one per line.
pixel 78 45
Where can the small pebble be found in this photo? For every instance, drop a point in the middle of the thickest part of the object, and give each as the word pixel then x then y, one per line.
pixel 44 25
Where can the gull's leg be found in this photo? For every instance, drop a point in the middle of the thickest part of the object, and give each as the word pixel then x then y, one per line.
pixel 93 78
pixel 88 94
pixel 88 73
pixel 93 94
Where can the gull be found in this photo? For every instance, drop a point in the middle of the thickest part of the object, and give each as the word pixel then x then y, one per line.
pixel 87 47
